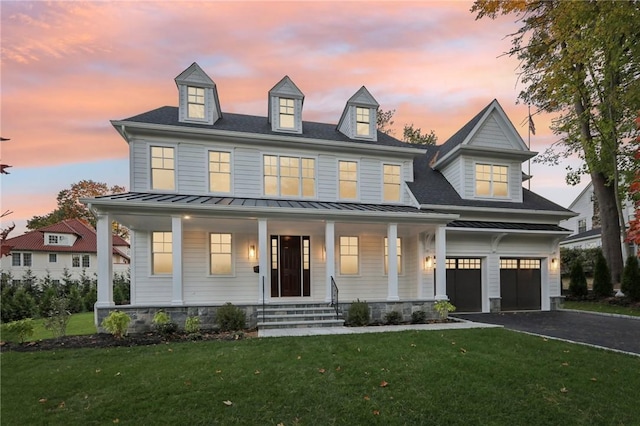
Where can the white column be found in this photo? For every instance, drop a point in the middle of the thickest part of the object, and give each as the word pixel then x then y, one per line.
pixel 330 256
pixel 420 272
pixel 263 262
pixel 105 261
pixel 441 263
pixel 176 247
pixel 392 261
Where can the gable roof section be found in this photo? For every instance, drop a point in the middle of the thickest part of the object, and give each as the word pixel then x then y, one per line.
pixel 85 243
pixel 431 188
pixel 195 75
pixel 361 98
pixel 241 123
pixel 465 138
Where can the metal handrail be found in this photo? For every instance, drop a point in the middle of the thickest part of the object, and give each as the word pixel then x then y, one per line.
pixel 334 297
pixel 263 302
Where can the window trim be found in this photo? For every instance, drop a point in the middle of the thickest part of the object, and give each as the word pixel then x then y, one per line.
pixel 369 133
pixel 152 272
pixel 357 198
pixel 293 115
pixel 400 186
pixel 232 272
pixel 187 116
pixel 357 256
pixel 222 151
pixel 300 176
pixel 150 147
pixel 491 182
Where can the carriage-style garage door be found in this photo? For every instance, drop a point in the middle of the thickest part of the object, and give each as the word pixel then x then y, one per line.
pixel 464 284
pixel 520 284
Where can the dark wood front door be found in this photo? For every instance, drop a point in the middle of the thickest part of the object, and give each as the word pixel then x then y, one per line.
pixel 290 266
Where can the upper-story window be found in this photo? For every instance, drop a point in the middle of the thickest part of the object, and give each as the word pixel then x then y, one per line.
pixel 289 176
pixel 195 102
pixel 163 168
pixel 219 171
pixel 348 180
pixel 53 239
pixel 491 180
pixel 287 113
pixel 582 225
pixel 161 253
pixel 363 121
pixel 391 182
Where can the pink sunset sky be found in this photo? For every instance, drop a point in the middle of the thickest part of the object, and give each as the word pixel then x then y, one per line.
pixel 70 67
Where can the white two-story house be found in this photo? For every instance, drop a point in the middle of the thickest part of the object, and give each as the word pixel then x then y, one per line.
pixel 275 210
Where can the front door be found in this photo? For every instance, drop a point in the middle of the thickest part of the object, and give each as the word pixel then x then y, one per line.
pixel 290 266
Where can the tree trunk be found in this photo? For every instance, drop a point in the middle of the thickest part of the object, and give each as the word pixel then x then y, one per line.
pixel 610 231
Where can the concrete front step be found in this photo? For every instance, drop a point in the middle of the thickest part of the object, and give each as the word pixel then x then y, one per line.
pixel 300 324
pixel 318 316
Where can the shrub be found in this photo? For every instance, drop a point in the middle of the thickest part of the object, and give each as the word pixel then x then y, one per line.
pixel 21 330
pixel 393 317
pixel 602 286
pixel 419 317
pixel 358 314
pixel 58 317
pixel 163 324
pixel 192 325
pixel 116 323
pixel 21 306
pixel 443 307
pixel 230 318
pixel 578 281
pixel 630 284
pixel 76 304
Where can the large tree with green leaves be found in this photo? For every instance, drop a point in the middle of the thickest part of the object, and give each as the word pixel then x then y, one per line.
pixel 409 133
pixel 70 207
pixel 581 62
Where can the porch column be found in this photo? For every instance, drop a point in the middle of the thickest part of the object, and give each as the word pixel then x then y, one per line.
pixel 330 256
pixel 441 263
pixel 104 246
pixel 421 265
pixel 176 247
pixel 392 261
pixel 263 262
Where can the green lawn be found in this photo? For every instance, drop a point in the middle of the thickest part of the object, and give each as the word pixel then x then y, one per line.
pixel 79 324
pixel 602 307
pixel 456 377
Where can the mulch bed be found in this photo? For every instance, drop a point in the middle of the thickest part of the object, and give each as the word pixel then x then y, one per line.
pixel 103 340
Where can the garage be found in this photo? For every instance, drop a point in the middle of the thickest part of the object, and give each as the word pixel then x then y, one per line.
pixel 520 281
pixel 464 284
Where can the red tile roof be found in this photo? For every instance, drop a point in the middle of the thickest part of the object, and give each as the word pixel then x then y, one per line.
pixel 85 243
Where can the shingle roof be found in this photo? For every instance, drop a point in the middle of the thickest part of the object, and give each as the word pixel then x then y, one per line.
pixel 506 225
pixel 85 243
pixel 459 136
pixel 595 232
pixel 168 115
pixel 430 187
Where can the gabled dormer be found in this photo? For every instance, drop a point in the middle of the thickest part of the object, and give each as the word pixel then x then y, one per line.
pixel 285 107
pixel 483 160
pixel 358 119
pixel 198 97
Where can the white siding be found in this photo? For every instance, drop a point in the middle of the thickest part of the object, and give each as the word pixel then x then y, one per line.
pixel 192 165
pixel 327 168
pixel 370 181
pixel 247 172
pixel 147 289
pixel 453 172
pixel 491 135
pixel 138 150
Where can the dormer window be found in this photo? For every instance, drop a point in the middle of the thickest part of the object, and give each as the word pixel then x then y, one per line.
pixel 287 113
pixel 492 180
pixel 363 123
pixel 195 101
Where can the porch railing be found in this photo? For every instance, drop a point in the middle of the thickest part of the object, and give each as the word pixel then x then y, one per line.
pixel 334 297
pixel 263 300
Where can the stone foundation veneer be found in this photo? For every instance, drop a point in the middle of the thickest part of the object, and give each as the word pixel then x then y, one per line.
pixel 557 303
pixel 495 304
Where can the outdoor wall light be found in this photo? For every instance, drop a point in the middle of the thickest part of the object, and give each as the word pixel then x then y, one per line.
pixel 554 263
pixel 252 251
pixel 428 262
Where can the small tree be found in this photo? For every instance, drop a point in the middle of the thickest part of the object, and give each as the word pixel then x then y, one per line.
pixel 602 286
pixel 58 317
pixel 577 281
pixel 630 284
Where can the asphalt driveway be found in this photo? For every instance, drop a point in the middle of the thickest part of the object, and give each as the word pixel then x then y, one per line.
pixel 618 333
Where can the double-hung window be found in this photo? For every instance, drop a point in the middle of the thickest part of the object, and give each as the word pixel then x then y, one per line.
pixel 349 255
pixel 195 102
pixel 163 168
pixel 363 121
pixel 53 257
pixel 219 171
pixel 391 182
pixel 75 260
pixel 16 259
pixel 398 252
pixel 582 225
pixel 221 254
pixel 348 180
pixel 491 180
pixel 287 113
pixel 289 176
pixel 161 253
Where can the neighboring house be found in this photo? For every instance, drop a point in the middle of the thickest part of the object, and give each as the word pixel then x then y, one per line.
pixel 585 226
pixel 70 245
pixel 276 210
